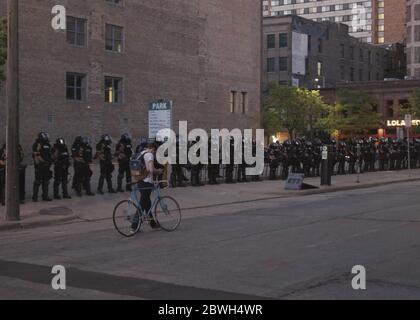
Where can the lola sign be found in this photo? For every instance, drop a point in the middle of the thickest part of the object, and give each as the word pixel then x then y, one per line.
pixel 401 123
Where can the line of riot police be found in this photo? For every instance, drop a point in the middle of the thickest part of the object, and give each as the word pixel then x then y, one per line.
pixel 349 156
pixel 299 156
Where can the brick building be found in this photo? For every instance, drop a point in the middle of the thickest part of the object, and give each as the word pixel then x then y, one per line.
pixel 299 51
pixel 387 94
pixel 372 21
pixel 116 57
pixel 413 38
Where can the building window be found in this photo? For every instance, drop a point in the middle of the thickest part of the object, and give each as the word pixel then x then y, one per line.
pixel 309 43
pixel 352 53
pixel 271 41
pixel 75 86
pixel 319 70
pixel 283 64
pixel 390 108
pixel 113 90
pixel 342 51
pixel 342 73
pixel 319 45
pixel 283 40
pixel 113 38
pixel 244 102
pixel 271 65
pixel 76 31
pixel 351 74
pixel 232 101
pixel 118 2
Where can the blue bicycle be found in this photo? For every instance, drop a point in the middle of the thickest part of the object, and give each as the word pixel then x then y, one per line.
pixel 166 212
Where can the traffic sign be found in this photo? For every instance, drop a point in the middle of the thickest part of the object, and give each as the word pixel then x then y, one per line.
pixel 408 120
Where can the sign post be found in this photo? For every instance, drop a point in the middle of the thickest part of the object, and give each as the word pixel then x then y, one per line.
pixel 12 102
pixel 160 117
pixel 407 121
pixel 358 154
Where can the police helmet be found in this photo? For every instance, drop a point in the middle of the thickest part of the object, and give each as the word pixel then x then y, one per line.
pixel 43 136
pixel 126 137
pixel 86 141
pixel 60 141
pixel 106 138
pixel 78 140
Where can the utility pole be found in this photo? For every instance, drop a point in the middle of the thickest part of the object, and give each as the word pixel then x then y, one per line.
pixel 12 101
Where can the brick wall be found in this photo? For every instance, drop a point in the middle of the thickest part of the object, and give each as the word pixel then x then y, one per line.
pixel 395 18
pixel 190 51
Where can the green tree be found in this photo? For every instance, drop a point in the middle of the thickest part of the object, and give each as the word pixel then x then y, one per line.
pixel 291 108
pixel 354 112
pixel 314 108
pixel 3 48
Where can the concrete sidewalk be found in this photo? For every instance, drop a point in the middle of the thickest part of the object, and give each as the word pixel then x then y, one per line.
pixel 101 207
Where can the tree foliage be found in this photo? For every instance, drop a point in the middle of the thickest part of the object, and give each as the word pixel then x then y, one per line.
pixel 291 108
pixel 3 48
pixel 354 112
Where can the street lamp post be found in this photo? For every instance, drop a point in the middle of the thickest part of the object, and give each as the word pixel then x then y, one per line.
pixel 12 101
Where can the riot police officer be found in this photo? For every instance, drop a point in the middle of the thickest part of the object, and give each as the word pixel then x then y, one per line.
pixel 123 152
pixel 61 159
pixel 3 159
pixel 213 168
pixel 273 158
pixel 82 158
pixel 196 168
pixel 104 154
pixel 242 165
pixel 231 165
pixel 2 174
pixel 42 160
pixel 177 174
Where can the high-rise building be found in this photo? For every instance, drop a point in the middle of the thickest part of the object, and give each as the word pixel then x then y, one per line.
pixel 413 38
pixel 373 21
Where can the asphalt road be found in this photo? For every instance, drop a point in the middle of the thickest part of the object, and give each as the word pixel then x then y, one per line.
pixel 292 248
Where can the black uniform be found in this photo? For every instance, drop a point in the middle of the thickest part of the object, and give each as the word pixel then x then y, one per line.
pixel 196 169
pixel 42 160
pixel 213 168
pixel 231 165
pixel 104 154
pixel 124 152
pixel 61 158
pixel 3 175
pixel 82 158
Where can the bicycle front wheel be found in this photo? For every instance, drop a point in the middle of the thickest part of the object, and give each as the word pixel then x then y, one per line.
pixel 126 218
pixel 168 213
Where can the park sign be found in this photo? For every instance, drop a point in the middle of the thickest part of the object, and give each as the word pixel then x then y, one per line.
pixel 160 117
pixel 402 123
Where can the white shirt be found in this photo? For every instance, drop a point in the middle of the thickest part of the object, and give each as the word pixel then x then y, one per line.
pixel 148 156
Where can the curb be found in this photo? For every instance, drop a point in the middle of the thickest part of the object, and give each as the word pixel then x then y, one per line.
pixel 311 192
pixel 32 224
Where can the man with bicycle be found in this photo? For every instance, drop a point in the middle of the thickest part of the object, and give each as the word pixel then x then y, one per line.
pixel 146 184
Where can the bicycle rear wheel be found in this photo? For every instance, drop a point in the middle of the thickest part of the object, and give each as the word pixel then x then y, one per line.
pixel 125 214
pixel 168 213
